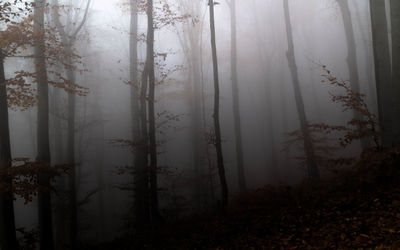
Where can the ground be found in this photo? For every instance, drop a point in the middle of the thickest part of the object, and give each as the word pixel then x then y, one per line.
pixel 355 209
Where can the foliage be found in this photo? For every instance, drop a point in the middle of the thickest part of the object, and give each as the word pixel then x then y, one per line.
pixel 24 175
pixel 364 125
pixel 16 40
pixel 11 10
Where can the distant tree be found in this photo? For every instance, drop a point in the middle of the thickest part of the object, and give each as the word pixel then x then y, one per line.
pixel 312 167
pixel 217 126
pixel 351 54
pixel 68 40
pixel 266 58
pixel 191 42
pixel 235 98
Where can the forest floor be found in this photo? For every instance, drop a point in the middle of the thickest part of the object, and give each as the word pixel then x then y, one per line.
pixel 357 208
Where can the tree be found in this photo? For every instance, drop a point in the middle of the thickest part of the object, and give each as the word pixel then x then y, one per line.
pixel 43 143
pixel 217 126
pixel 68 43
pixel 151 113
pixel 395 23
pixel 313 172
pixel 141 190
pixel 235 98
pixel 383 72
pixel 8 239
pixel 351 54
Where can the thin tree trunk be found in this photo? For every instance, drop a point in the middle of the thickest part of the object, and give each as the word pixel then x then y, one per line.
pixel 235 100
pixel 196 117
pixel 8 239
pixel 313 172
pixel 73 210
pixel 383 72
pixel 217 127
pixel 43 144
pixel 151 113
pixel 395 24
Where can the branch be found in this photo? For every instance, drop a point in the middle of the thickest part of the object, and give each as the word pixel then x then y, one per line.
pixel 86 199
pixel 82 22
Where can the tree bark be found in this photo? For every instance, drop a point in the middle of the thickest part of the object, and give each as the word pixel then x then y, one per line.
pixel 43 144
pixel 313 172
pixel 383 72
pixel 236 101
pixel 8 239
pixel 217 126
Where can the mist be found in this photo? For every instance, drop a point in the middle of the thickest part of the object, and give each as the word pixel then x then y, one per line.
pixel 127 123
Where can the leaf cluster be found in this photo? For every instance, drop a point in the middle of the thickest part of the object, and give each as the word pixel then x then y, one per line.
pixel 23 175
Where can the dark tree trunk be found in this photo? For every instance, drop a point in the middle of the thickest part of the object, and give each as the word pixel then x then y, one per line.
pixel 313 172
pixel 383 72
pixel 395 22
pixel 217 127
pixel 151 113
pixel 235 99
pixel 43 143
pixel 8 239
pixel 141 182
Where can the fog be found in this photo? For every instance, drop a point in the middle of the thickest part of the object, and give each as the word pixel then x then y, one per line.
pixel 187 163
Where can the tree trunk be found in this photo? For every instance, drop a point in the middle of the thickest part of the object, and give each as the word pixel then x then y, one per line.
pixel 73 210
pixel 272 160
pixel 43 144
pixel 235 100
pixel 68 41
pixel 141 189
pixel 313 172
pixel 383 72
pixel 217 127
pixel 8 239
pixel 352 57
pixel 151 113
pixel 395 23
pixel 196 116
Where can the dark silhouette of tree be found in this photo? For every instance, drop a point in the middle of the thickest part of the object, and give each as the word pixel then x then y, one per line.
pixel 8 238
pixel 395 23
pixel 383 72
pixel 312 168
pixel 217 126
pixel 43 144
